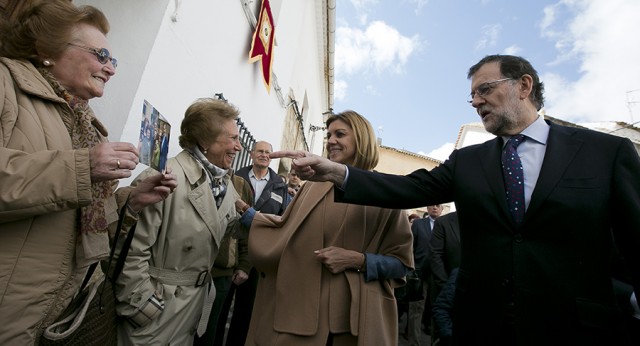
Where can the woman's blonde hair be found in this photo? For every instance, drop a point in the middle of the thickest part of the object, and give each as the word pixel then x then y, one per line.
pixel 45 29
pixel 366 156
pixel 203 121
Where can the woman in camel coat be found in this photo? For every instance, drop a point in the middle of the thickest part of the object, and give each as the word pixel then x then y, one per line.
pixel 327 270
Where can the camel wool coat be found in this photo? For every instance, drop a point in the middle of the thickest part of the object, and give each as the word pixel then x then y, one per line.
pixel 43 182
pixel 298 300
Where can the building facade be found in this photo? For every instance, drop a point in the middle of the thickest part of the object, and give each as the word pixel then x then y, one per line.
pixel 172 52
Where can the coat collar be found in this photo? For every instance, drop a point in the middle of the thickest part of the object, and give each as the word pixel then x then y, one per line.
pixel 29 80
pixel 201 197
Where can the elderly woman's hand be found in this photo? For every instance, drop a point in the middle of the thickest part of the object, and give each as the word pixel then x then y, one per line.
pixel 152 190
pixel 110 161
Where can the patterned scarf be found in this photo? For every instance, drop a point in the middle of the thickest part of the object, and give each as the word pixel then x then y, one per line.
pixel 216 175
pixel 86 132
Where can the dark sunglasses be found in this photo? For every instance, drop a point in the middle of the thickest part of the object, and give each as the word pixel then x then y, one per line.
pixel 102 54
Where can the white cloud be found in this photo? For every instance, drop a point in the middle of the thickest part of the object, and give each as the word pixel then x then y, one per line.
pixel 379 48
pixel 441 153
pixel 512 50
pixel 340 89
pixel 490 34
pixel 602 36
pixel 549 17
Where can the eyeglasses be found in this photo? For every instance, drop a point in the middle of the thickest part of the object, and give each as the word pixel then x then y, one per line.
pixel 102 54
pixel 485 89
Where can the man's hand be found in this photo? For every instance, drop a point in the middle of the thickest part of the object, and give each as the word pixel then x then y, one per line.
pixel 313 167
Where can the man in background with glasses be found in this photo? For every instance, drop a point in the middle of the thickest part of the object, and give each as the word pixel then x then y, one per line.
pixel 536 206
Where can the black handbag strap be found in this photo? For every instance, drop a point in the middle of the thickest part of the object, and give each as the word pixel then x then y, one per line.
pixel 123 252
pixel 125 246
pixel 90 271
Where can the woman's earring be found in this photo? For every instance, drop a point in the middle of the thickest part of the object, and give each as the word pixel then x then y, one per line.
pixel 205 151
pixel 47 63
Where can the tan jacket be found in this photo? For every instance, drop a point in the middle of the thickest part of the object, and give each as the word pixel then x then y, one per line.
pixel 297 295
pixel 43 183
pixel 182 234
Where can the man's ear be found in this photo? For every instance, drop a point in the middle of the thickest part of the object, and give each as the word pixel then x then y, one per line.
pixel 525 86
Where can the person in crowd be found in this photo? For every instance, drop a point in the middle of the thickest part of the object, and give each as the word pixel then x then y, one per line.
pixel 413 294
pixel 271 196
pixel 165 289
pixel 293 183
pixel 328 270
pixel 444 255
pixel 230 269
pixel 442 309
pixel 420 310
pixel 445 250
pixel 536 206
pixel 58 171
pixel 270 190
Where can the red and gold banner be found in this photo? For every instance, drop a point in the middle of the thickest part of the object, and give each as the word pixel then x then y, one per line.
pixel 262 43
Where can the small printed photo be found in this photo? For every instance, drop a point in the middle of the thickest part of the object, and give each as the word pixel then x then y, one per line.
pixel 154 138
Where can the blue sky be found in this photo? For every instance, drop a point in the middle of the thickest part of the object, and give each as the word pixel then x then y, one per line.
pixel 403 63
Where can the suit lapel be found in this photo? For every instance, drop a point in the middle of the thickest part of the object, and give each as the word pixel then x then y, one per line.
pixel 490 159
pixel 561 149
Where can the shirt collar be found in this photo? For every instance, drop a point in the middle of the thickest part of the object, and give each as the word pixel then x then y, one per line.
pixel 253 175
pixel 538 131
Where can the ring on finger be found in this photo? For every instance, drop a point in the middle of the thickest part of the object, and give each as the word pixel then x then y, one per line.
pixel 118 163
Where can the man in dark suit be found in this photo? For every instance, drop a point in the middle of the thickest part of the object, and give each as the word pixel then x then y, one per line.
pixel 537 275
pixel 420 310
pixel 444 254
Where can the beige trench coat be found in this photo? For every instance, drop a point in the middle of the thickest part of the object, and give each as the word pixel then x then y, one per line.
pixel 43 183
pixel 183 234
pixel 297 296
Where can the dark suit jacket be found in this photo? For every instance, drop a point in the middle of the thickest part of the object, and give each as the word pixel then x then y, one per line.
pixel 444 254
pixel 421 229
pixel 555 265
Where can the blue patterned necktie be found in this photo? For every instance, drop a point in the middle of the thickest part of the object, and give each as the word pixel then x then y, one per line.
pixel 514 178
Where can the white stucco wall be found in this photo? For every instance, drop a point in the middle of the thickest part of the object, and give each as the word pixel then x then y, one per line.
pixel 204 52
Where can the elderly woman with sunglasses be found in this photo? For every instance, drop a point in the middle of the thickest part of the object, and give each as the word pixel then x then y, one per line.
pixel 57 169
